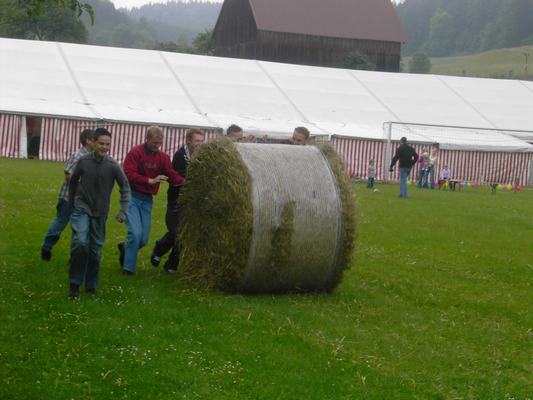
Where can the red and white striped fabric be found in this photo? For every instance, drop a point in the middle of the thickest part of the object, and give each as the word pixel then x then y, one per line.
pixel 483 166
pixel 10 135
pixel 357 153
pixel 60 138
pixel 477 166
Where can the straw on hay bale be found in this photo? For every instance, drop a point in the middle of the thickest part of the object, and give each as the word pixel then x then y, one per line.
pixel 266 218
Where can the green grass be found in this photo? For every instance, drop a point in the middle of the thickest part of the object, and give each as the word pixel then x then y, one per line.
pixel 437 305
pixel 500 63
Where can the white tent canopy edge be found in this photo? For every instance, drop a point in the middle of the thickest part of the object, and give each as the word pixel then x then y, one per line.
pixel 151 87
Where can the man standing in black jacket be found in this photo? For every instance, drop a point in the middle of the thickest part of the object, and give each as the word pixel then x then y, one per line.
pixel 408 157
pixel 180 161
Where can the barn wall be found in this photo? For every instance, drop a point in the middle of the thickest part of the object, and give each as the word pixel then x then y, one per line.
pixel 235 30
pixel 325 51
pixel 302 49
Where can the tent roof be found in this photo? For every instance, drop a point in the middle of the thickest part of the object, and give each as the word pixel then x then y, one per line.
pixel 144 86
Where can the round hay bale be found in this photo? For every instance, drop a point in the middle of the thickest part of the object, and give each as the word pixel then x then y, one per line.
pixel 266 218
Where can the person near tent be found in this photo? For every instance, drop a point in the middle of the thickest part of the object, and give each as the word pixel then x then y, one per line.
pixel 63 209
pixel 300 136
pixel 180 162
pixel 90 191
pixel 445 176
pixel 145 166
pixel 236 134
pixel 430 174
pixel 371 174
pixel 423 169
pixel 407 157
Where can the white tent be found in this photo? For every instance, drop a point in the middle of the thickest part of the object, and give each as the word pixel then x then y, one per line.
pixel 132 87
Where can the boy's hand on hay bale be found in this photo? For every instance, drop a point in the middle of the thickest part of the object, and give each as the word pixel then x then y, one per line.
pixel 158 179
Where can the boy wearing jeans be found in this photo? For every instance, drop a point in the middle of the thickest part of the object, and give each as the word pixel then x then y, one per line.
pixel 63 209
pixel 90 190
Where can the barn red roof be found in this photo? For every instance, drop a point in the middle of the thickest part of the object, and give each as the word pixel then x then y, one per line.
pixel 351 19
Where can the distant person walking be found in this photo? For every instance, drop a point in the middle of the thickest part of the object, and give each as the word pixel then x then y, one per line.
pixel 89 194
pixel 408 157
pixel 63 209
pixel 371 174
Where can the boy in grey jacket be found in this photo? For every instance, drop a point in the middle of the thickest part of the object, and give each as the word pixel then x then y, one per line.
pixel 90 190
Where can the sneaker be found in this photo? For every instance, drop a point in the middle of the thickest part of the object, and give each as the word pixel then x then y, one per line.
pixel 46 254
pixel 170 270
pixel 155 260
pixel 90 290
pixel 121 251
pixel 74 291
pixel 126 272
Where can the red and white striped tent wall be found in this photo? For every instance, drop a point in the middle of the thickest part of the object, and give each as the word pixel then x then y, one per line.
pixel 10 136
pixel 481 166
pixel 60 137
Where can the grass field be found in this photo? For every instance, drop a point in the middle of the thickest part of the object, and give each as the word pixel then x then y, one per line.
pixel 437 305
pixel 499 63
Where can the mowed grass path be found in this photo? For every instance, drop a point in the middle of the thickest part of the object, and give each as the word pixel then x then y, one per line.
pixel 438 305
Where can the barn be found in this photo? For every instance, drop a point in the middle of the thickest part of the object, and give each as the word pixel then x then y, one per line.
pixel 482 127
pixel 310 32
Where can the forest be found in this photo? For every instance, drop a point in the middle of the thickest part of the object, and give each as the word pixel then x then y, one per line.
pixel 457 27
pixel 176 26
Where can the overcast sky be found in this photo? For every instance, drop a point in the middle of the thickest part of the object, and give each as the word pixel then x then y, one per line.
pixel 137 3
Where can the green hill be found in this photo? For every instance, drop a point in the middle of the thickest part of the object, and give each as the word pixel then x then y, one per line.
pixel 501 63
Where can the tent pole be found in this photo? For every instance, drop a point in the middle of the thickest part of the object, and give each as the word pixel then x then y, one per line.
pixel 23 139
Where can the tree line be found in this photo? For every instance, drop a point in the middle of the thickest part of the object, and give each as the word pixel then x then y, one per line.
pixel 176 26
pixel 456 27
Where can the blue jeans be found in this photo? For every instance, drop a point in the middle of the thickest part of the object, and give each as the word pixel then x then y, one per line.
pixel 88 236
pixel 431 172
pixel 404 174
pixel 58 225
pixel 370 183
pixel 421 176
pixel 138 222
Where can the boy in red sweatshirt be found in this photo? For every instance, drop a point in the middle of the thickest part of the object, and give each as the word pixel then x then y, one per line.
pixel 145 167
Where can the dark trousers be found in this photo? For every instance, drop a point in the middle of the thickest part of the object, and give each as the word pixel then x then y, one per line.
pixel 168 240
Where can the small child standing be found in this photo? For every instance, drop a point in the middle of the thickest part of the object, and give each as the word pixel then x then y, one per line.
pixel 445 176
pixel 371 173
